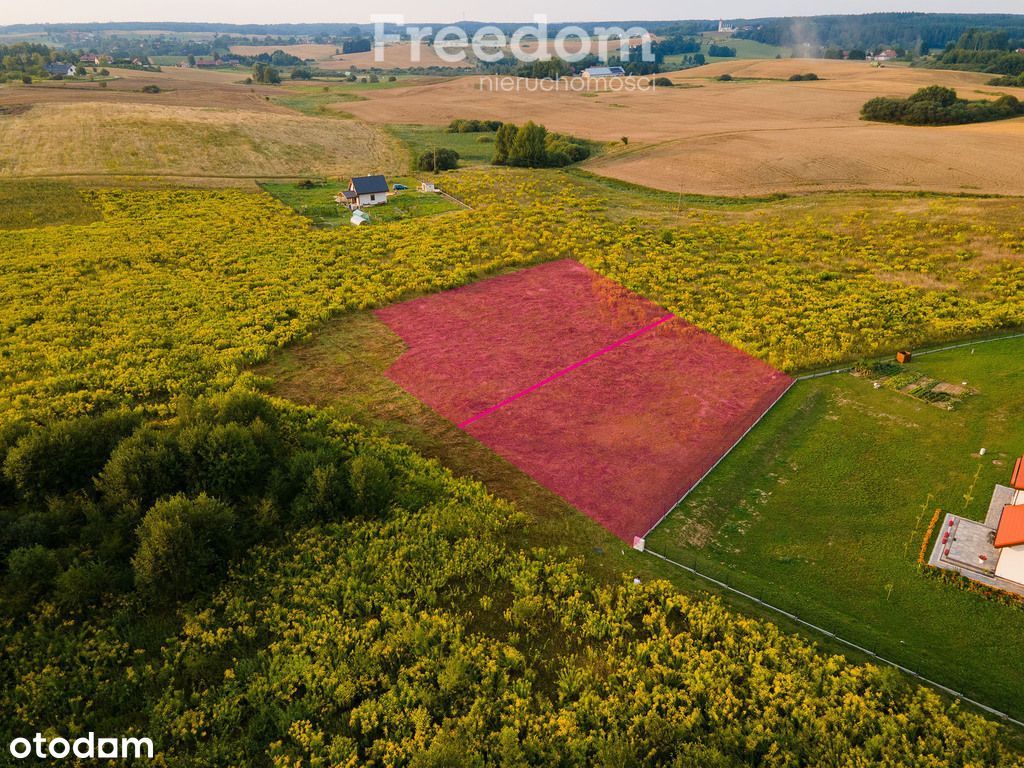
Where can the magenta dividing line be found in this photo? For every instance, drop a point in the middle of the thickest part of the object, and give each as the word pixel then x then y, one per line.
pixel 569 369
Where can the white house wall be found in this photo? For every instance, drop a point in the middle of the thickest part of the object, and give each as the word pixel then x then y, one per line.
pixel 1011 564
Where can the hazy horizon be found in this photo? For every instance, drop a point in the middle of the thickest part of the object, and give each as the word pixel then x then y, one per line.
pixel 446 11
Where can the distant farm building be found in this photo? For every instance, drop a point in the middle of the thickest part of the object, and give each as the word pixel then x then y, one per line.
pixel 604 72
pixel 992 552
pixel 364 191
pixel 89 58
pixel 59 68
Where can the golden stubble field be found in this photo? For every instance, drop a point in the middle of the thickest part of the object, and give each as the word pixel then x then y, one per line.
pixel 186 142
pixel 203 127
pixel 758 134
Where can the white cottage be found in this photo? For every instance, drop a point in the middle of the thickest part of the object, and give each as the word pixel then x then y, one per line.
pixel 364 191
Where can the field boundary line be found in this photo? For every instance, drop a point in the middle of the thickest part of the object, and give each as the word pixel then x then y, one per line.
pixel 721 458
pixel 918 353
pixel 843 641
pixel 567 370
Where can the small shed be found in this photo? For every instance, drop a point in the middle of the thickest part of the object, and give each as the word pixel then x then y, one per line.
pixel 428 186
pixel 904 356
pixel 359 217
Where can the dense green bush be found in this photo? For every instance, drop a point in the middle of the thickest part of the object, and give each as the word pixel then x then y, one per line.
pixel 438 159
pixel 99 501
pixel 372 486
pixel 473 126
pixel 721 51
pixel 531 146
pixel 184 545
pixel 64 455
pixel 936 105
pixel 806 76
pixel 1008 81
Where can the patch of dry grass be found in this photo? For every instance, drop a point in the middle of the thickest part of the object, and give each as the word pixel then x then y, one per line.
pixel 173 141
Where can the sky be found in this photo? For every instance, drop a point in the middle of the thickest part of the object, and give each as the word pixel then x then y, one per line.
pixel 272 11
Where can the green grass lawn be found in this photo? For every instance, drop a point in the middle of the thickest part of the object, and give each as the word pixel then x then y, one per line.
pixel 473 148
pixel 822 511
pixel 745 49
pixel 317 202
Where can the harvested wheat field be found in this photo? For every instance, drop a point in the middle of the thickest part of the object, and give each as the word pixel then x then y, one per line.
pixel 179 86
pixel 757 134
pixel 187 142
pixel 397 56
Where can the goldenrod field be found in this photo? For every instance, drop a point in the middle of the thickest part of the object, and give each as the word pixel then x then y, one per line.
pixel 176 291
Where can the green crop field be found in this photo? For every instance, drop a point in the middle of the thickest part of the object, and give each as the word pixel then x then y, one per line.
pixel 745 49
pixel 822 511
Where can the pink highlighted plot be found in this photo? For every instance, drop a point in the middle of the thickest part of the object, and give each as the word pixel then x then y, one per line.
pixel 598 394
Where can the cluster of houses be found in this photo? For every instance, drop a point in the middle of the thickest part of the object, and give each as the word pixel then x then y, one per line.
pixel 991 552
pixel 887 55
pixel 69 69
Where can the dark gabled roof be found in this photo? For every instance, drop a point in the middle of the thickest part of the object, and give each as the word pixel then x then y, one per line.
pixel 368 185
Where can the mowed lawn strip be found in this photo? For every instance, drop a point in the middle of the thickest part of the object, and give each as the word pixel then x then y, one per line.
pixel 823 508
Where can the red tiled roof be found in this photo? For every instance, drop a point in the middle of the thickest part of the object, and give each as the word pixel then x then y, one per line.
pixel 1011 527
pixel 1017 481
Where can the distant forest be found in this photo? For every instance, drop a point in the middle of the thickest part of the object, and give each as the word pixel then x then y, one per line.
pixel 912 31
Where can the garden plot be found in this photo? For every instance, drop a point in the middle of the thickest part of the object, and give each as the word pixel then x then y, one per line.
pixel 600 395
